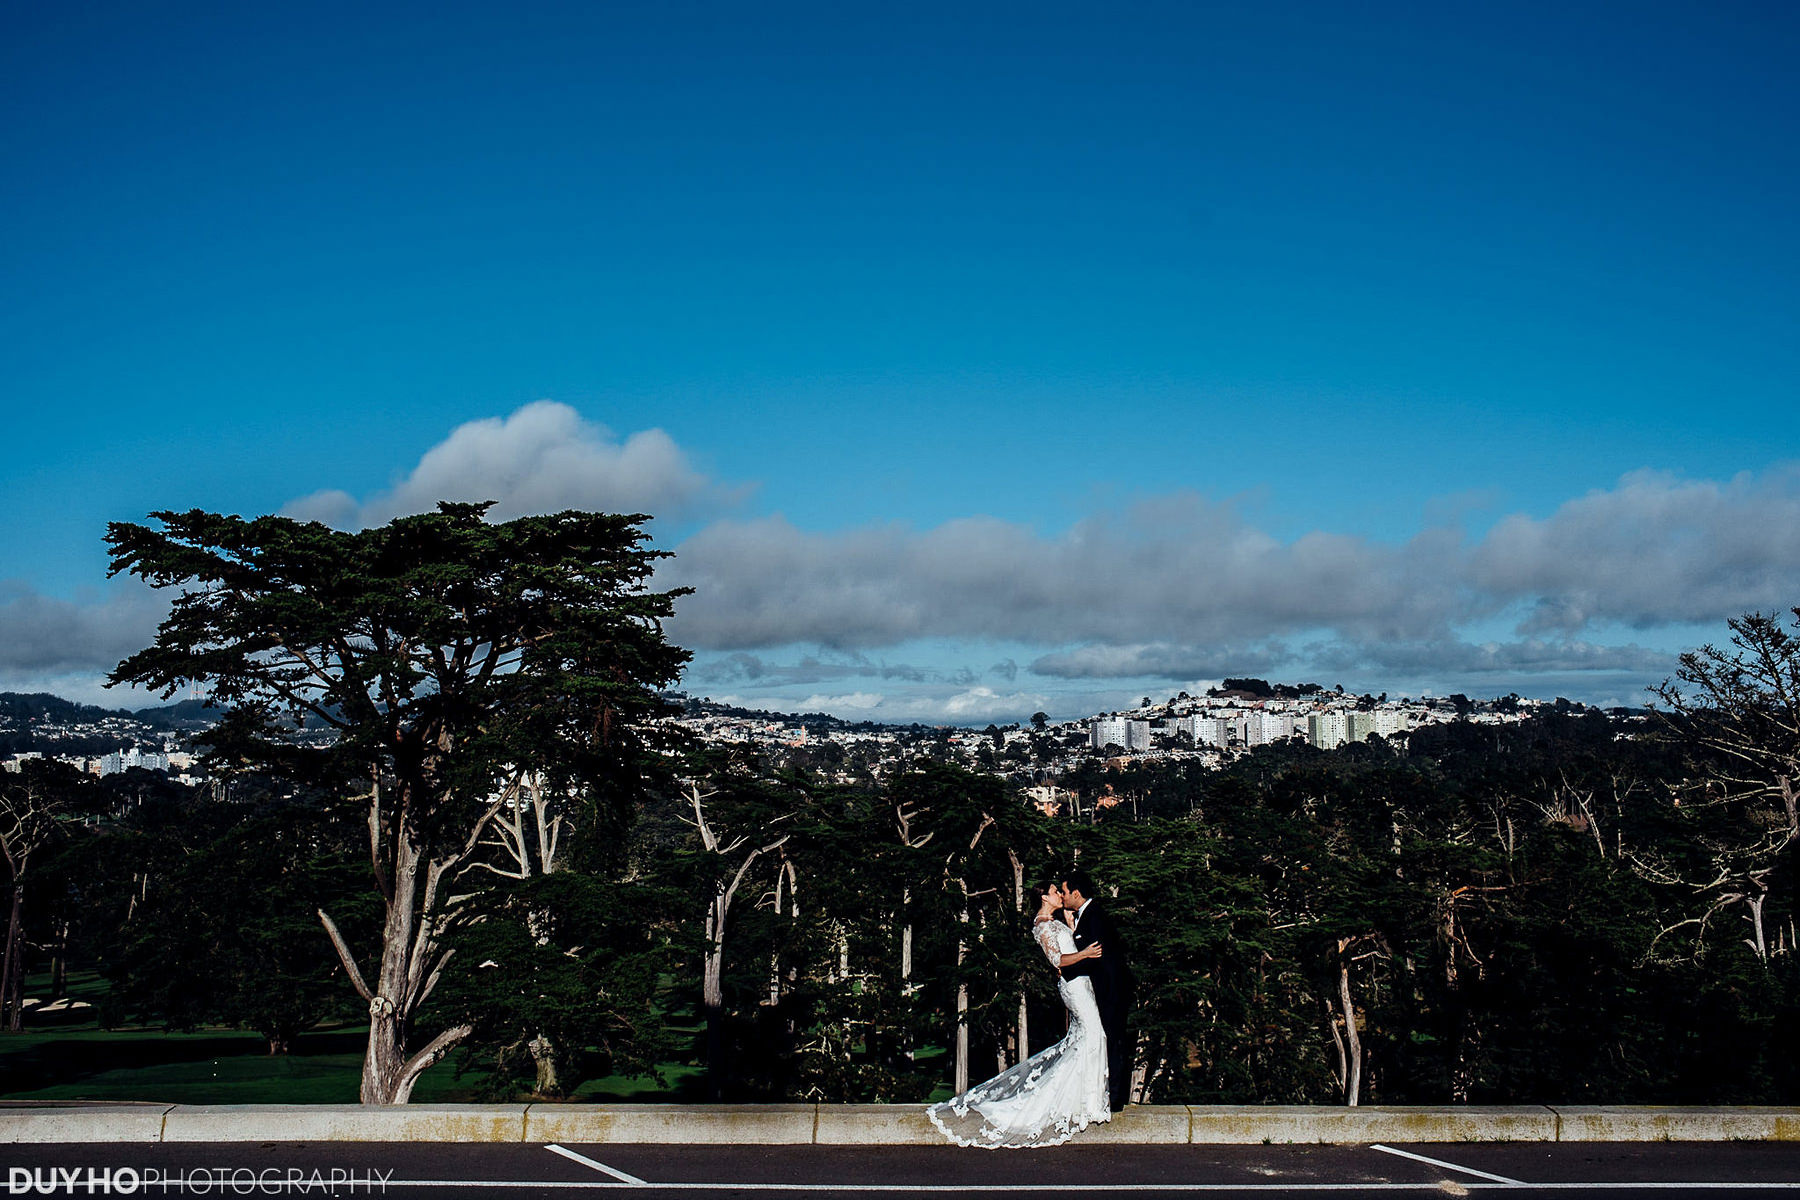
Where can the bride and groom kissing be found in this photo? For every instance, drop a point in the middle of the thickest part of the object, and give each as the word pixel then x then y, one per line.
pixel 1086 1077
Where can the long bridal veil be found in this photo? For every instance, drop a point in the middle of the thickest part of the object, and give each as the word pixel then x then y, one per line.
pixel 1050 1096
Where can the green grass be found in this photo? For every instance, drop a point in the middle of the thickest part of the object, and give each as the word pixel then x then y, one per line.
pixel 206 1067
pixel 67 1056
pixel 685 1082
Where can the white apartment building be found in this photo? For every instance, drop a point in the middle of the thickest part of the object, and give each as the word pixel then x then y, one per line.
pixel 124 760
pixel 1389 721
pixel 1328 730
pixel 1386 722
pixel 1218 731
pixel 1265 728
pixel 1120 732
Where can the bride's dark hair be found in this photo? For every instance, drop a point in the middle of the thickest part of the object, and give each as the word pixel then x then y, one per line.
pixel 1035 893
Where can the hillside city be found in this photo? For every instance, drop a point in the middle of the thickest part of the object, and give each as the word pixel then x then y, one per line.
pixel 1209 730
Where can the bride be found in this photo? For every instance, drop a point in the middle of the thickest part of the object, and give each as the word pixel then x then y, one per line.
pixel 1052 1095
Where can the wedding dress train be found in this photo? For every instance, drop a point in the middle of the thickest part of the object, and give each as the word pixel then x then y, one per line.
pixel 1050 1096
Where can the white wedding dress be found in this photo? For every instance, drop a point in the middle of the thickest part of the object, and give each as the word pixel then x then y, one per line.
pixel 1049 1097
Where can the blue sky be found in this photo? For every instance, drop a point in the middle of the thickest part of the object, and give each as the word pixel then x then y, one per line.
pixel 1381 332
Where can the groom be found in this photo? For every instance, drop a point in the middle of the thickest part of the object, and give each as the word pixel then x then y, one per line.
pixel 1111 976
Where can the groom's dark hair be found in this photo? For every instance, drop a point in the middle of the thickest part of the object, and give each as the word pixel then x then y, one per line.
pixel 1081 881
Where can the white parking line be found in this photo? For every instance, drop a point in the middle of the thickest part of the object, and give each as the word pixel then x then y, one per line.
pixel 585 1161
pixel 1448 1166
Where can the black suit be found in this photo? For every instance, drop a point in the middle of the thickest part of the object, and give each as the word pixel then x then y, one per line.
pixel 1112 994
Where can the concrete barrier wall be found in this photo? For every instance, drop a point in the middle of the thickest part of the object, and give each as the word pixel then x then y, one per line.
pixel 1609 1124
pixel 714 1124
pixel 866 1124
pixel 76 1123
pixel 344 1123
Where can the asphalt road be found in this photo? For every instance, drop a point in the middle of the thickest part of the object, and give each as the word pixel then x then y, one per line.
pixel 503 1170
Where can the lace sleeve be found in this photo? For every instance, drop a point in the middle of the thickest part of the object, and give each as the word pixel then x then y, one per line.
pixel 1045 932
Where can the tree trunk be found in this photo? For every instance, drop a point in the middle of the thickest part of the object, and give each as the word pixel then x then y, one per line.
pixel 712 997
pixel 1019 906
pixel 11 977
pixel 712 977
pixel 1353 1043
pixel 59 965
pixel 1342 1067
pixel 409 970
pixel 962 996
pixel 385 1058
pixel 1759 943
pixel 1790 802
pixel 712 982
pixel 906 983
pixel 543 1054
pixel 775 953
pixel 1460 1076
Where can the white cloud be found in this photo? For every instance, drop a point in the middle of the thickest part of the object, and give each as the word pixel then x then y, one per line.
pixel 1654 550
pixel 49 638
pixel 545 457
pixel 741 667
pixel 924 705
pixel 1162 661
pixel 1183 586
pixel 982 703
pixel 1525 656
pixel 1179 569
pixel 1175 588
pixel 836 704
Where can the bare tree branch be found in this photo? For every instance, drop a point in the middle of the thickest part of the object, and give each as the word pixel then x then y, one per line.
pixel 345 957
